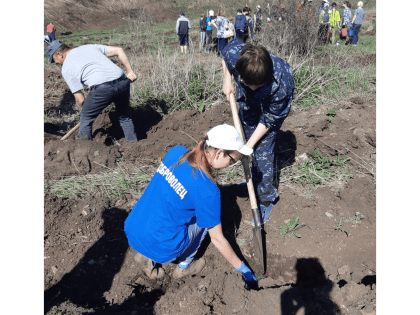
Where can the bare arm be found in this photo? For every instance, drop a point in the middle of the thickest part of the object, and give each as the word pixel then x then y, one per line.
pixel 118 51
pixel 80 98
pixel 354 18
pixel 223 246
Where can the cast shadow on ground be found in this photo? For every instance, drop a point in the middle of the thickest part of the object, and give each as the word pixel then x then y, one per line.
pixel 285 149
pixel 86 283
pixel 144 118
pixel 231 216
pixel 311 291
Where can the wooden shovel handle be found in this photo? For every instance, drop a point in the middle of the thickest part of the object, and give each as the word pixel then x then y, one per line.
pixel 70 132
pixel 245 159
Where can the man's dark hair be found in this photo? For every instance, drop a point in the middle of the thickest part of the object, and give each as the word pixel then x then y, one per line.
pixel 62 48
pixel 255 65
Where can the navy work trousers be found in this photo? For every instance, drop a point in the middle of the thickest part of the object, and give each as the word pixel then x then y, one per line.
pixel 100 96
pixel 264 170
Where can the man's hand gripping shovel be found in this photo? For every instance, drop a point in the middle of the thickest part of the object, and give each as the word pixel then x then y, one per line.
pixel 257 229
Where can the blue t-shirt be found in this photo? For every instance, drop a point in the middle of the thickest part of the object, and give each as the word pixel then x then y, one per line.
pixel 157 227
pixel 208 19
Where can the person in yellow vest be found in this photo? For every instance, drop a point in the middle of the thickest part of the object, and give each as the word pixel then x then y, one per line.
pixel 335 22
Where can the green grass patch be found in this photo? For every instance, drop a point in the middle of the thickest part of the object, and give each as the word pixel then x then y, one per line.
pixel 114 183
pixel 366 45
pixel 317 170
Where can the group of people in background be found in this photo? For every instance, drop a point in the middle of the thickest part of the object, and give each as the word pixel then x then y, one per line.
pixel 216 30
pixel 333 27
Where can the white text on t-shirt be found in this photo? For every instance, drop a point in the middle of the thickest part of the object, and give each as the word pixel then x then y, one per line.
pixel 172 180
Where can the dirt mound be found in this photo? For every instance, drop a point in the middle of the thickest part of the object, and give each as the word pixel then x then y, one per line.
pixel 89 266
pixel 366 32
pixel 79 15
pixel 364 60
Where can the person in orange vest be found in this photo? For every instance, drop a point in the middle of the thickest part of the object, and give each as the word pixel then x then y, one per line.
pixel 51 31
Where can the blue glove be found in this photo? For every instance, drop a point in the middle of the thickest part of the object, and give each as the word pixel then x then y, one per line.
pixel 248 275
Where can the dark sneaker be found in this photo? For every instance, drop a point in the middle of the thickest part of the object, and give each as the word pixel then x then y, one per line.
pixel 147 266
pixel 195 267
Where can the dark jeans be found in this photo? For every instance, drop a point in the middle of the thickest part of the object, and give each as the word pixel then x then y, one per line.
pixel 51 36
pixel 356 29
pixel 100 96
pixel 209 41
pixel 221 43
pixel 240 34
pixel 323 34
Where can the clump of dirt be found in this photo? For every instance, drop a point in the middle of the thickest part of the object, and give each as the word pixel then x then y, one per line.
pixel 89 266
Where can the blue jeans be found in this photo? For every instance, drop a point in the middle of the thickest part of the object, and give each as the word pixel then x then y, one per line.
pixel 51 36
pixel 356 29
pixel 100 96
pixel 196 235
pixel 203 38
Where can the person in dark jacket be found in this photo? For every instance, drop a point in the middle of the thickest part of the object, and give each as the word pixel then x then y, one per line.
pixel 250 28
pixel 182 27
pixel 241 24
pixel 203 27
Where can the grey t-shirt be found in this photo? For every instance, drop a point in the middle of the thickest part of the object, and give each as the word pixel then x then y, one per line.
pixel 89 65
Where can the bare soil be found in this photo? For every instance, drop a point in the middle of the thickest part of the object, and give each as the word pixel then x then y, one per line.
pixel 89 267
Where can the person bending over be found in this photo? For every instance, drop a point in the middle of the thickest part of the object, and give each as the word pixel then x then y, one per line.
pixel 88 65
pixel 181 204
pixel 264 92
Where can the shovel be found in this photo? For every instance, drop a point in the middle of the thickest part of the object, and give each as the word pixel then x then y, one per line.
pixel 257 229
pixel 70 132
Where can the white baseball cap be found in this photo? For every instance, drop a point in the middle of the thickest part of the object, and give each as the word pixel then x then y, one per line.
pixel 211 13
pixel 226 137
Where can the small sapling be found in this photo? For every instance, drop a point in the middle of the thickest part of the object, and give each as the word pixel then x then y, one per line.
pixel 291 227
pixel 338 227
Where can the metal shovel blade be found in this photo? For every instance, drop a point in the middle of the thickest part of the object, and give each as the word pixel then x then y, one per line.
pixel 257 238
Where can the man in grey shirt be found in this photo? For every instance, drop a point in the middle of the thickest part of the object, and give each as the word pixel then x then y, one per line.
pixel 88 65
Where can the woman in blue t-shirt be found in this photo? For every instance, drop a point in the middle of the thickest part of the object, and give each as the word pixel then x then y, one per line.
pixel 181 203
